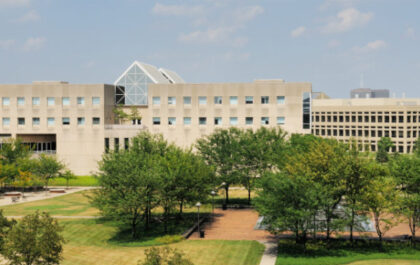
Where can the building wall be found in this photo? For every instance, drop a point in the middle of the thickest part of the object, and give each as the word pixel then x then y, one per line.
pixel 367 120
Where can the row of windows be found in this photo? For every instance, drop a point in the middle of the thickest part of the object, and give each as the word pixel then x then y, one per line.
pixel 36 101
pixel 365 133
pixel 233 100
pixel 50 121
pixel 116 144
pixel 366 118
pixel 372 146
pixel 218 120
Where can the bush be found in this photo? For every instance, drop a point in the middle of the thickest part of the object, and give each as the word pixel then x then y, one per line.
pixel 165 256
pixel 169 239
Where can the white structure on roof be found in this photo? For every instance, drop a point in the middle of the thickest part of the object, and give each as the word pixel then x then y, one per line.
pixel 132 85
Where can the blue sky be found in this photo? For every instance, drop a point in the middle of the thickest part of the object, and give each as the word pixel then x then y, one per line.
pixel 330 43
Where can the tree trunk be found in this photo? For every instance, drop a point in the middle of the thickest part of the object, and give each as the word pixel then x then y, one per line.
pixel 227 194
pixel 377 226
pixel 249 196
pixel 351 226
pixel 165 220
pixel 146 215
pixel 134 226
pixel 328 226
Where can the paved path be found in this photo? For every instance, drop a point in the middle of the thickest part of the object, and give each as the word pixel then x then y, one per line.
pixel 270 253
pixel 61 216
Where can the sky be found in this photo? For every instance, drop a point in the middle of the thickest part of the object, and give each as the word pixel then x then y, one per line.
pixel 337 45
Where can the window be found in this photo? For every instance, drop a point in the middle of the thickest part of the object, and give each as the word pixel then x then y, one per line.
pixel 80 101
pixel 280 100
pixel 35 121
pixel 21 121
pixel 106 145
pixel 218 100
pixel 233 120
pixel 20 101
pixel 171 121
pixel 5 101
pixel 156 121
pixel 264 100
pixel 66 121
pixel 202 120
pixel 249 100
pixel 126 143
pixel 306 107
pixel 116 144
pixel 50 121
pixel 233 100
pixel 80 121
pixel 187 100
pixel 50 101
pixel 66 101
pixel 249 120
pixel 265 120
pixel 156 100
pixel 187 120
pixel 280 120
pixel 171 100
pixel 6 121
pixel 218 121
pixel 136 121
pixel 202 100
pixel 36 101
pixel 96 120
pixel 96 101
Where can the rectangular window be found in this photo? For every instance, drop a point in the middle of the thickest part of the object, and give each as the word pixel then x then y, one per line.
pixel 66 121
pixel 233 120
pixel 218 100
pixel 265 100
pixel 126 143
pixel 50 121
pixel 280 120
pixel 116 144
pixel 280 100
pixel 202 100
pixel 265 121
pixel 96 101
pixel 36 101
pixel 187 100
pixel 96 120
pixel 21 101
pixel 66 101
pixel 187 120
pixel 156 121
pixel 171 100
pixel 171 121
pixel 50 101
pixel 202 120
pixel 6 121
pixel 106 145
pixel 80 101
pixel 233 100
pixel 21 121
pixel 249 120
pixel 249 100
pixel 35 121
pixel 306 107
pixel 156 100
pixel 80 121
pixel 5 101
pixel 218 121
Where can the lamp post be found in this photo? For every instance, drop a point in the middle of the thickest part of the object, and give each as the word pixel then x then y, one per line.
pixel 198 218
pixel 224 206
pixel 213 193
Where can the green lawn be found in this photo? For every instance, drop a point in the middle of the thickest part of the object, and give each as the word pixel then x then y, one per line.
pixel 387 262
pixel 343 253
pixel 78 181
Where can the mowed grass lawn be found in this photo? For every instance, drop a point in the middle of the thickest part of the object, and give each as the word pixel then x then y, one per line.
pixel 387 262
pixel 78 181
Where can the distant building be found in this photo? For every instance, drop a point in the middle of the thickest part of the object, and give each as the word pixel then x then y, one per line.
pixel 369 93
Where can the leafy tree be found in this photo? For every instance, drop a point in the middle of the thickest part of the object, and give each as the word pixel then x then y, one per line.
pixel 134 113
pixel 164 256
pixel 5 226
pixel 34 240
pixel 67 175
pixel 417 147
pixel 23 180
pixel 120 114
pixel 13 150
pixel 47 167
pixel 384 144
pixel 221 150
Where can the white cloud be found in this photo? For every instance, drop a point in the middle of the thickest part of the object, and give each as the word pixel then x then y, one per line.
pixel 245 14
pixel 346 20
pixel 370 47
pixel 297 32
pixel 177 10
pixel 333 43
pixel 210 35
pixel 410 32
pixel 28 17
pixel 32 44
pixel 14 3
pixel 6 44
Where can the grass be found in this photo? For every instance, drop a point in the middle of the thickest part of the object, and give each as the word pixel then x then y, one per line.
pixel 388 262
pixel 339 252
pixel 78 181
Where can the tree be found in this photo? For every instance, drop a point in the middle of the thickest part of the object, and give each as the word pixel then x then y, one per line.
pixel 48 167
pixel 34 240
pixel 67 175
pixel 120 114
pixel 221 150
pixel 384 144
pixel 164 256
pixel 5 226
pixel 416 148
pixel 13 150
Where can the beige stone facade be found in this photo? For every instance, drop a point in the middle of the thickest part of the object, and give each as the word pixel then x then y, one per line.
pixel 367 120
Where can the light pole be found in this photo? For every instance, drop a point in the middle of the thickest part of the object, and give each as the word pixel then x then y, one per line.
pixel 198 218
pixel 213 193
pixel 224 206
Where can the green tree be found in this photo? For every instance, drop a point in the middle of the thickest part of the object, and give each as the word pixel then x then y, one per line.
pixel 12 151
pixel 47 167
pixel 164 256
pixel 67 175
pixel 120 114
pixel 384 144
pixel 5 225
pixel 34 240
pixel 416 148
pixel 221 150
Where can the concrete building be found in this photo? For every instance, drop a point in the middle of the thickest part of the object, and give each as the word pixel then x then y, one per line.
pixel 77 123
pixel 369 93
pixel 367 120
